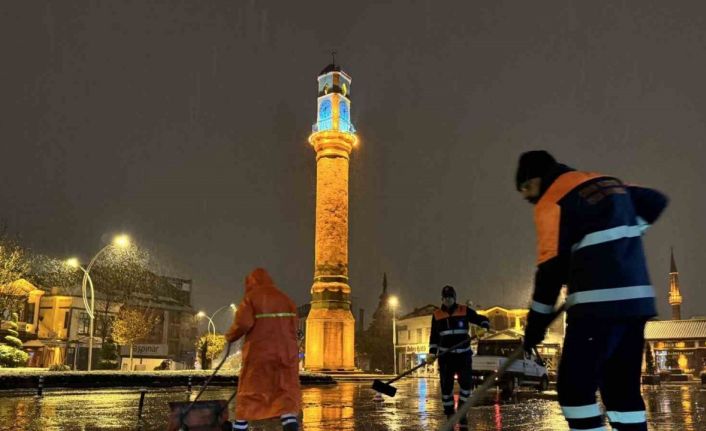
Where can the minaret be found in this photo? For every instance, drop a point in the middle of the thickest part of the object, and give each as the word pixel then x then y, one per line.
pixel 330 326
pixel 674 293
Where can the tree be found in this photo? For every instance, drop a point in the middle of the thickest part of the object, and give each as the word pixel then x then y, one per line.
pixel 209 346
pixel 11 353
pixel 12 296
pixel 13 266
pixel 108 356
pixel 376 341
pixel 50 272
pixel 133 324
pixel 119 276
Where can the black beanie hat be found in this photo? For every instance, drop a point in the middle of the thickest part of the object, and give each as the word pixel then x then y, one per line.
pixel 448 291
pixel 533 164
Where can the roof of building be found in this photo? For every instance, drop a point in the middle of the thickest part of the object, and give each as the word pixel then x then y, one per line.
pixel 426 310
pixel 675 329
pixel 500 307
pixel 19 286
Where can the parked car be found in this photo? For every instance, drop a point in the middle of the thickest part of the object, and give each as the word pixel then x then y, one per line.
pixel 529 371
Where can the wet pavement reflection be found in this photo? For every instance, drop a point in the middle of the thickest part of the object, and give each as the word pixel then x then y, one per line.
pixel 346 406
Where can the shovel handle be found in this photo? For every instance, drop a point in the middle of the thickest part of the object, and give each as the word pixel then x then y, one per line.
pixel 480 391
pixel 416 367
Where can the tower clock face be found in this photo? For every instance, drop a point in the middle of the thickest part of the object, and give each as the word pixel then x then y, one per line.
pixel 343 108
pixel 325 110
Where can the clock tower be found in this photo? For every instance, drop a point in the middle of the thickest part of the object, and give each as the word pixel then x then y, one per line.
pixel 330 326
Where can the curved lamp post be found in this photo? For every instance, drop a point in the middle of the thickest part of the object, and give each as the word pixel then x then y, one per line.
pixel 120 241
pixel 212 325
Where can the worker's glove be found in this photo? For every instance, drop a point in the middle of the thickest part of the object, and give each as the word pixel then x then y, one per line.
pixel 536 329
pixel 431 358
pixel 485 324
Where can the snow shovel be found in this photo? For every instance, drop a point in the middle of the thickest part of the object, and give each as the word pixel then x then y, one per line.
pixel 211 415
pixel 389 390
pixel 490 381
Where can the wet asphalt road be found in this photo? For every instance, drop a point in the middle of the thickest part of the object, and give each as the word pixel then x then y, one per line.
pixel 346 406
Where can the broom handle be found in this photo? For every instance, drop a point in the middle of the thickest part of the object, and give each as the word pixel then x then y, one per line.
pixel 490 381
pixel 416 367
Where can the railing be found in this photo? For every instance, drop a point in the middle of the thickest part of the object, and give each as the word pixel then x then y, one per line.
pixel 343 126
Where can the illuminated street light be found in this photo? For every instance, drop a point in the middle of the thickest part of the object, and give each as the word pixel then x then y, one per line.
pixel 119 241
pixel 393 302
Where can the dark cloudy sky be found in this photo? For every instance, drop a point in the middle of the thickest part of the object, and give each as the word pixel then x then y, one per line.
pixel 185 125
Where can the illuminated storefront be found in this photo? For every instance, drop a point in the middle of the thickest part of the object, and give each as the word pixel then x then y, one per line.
pixel 678 345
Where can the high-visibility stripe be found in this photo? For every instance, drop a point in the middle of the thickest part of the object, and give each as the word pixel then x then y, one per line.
pixel 541 308
pixel 266 315
pixel 607 235
pixel 433 346
pixel 447 403
pixel 615 294
pixel 642 223
pixel 453 331
pixel 288 415
pixel 465 393
pixel 462 399
pixel 584 429
pixel 446 397
pixel 289 421
pixel 581 412
pixel 636 417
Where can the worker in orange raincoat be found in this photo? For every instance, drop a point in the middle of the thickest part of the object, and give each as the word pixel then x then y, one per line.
pixel 268 386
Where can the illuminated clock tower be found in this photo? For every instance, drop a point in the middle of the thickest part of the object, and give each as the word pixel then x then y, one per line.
pixel 330 326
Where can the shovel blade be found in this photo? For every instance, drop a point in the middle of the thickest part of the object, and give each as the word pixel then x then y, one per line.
pixel 384 388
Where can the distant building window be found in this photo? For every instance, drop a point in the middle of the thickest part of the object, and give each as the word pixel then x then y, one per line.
pixel 27 314
pixel 419 335
pixel 66 319
pixel 84 323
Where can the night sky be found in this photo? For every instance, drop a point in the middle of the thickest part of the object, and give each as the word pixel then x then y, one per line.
pixel 185 124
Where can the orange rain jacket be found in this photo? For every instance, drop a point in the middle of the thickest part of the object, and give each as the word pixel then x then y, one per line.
pixel 269 379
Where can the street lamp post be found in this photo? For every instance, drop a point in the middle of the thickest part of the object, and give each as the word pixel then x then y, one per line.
pixel 120 241
pixel 394 302
pixel 210 321
pixel 211 324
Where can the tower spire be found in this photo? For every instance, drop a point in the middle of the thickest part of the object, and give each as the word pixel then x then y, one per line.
pixel 333 57
pixel 675 298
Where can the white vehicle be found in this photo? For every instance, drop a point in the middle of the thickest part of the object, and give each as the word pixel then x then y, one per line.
pixel 528 371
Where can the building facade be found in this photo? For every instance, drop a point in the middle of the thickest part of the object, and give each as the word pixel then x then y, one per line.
pixel 413 330
pixel 678 345
pixel 54 325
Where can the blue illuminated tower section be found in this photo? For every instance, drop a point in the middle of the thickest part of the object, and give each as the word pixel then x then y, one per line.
pixel 334 103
